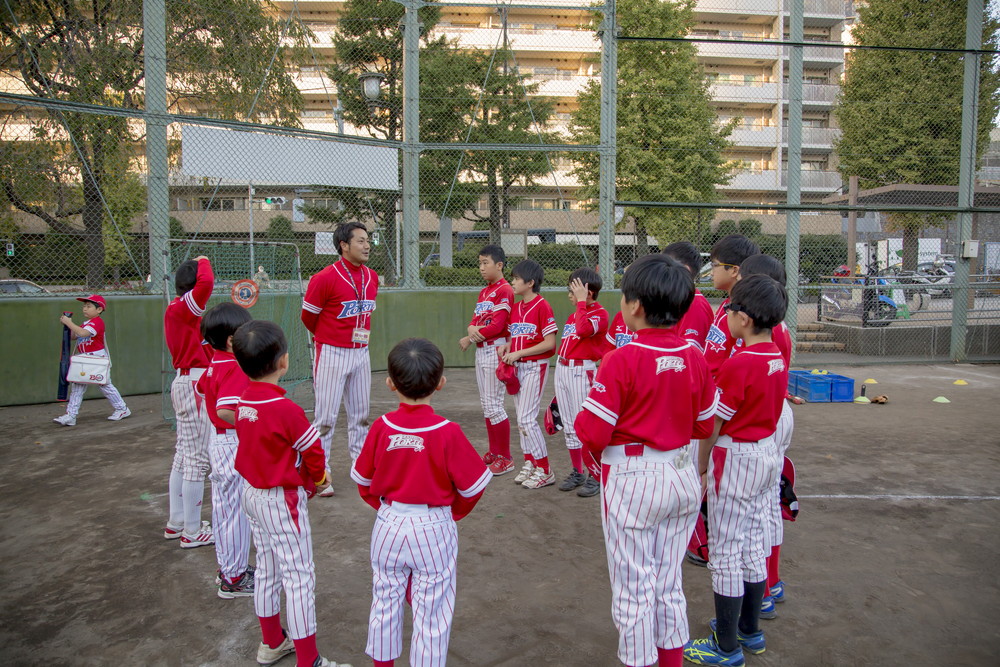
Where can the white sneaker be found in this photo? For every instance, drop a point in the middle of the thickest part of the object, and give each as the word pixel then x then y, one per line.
pixel 119 415
pixel 323 662
pixel 539 478
pixel 202 539
pixel 525 473
pixel 65 420
pixel 268 656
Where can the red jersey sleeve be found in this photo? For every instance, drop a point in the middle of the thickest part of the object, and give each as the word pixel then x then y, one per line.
pixel 600 410
pixel 719 342
pixel 364 466
pixel 697 322
pixel 312 304
pixel 732 390
pixel 305 440
pixel 498 324
pixel 467 471
pixel 706 404
pixel 590 322
pixel 197 298
pixel 230 387
pixel 546 319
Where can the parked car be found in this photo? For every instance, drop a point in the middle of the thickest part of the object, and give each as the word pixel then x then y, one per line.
pixel 19 286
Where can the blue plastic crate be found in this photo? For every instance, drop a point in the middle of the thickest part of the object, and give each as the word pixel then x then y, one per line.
pixel 814 388
pixel 793 381
pixel 841 388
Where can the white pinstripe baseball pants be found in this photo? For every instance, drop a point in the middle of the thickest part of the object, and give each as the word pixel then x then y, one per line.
pixel 782 440
pixel 342 373
pixel 279 519
pixel 229 521
pixel 422 542
pixel 193 427
pixel 740 491
pixel 573 383
pixel 532 376
pixel 491 389
pixel 649 504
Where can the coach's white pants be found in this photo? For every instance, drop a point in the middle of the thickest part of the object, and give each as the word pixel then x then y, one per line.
pixel 491 389
pixel 229 521
pixel 342 373
pixel 531 375
pixel 279 519
pixel 649 505
pixel 76 392
pixel 193 427
pixel 782 440
pixel 573 383
pixel 419 544
pixel 740 492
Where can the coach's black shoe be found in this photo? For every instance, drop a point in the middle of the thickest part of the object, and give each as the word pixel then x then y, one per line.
pixel 695 559
pixel 573 480
pixel 590 488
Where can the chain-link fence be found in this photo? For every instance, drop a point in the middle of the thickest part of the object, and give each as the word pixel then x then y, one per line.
pixel 723 116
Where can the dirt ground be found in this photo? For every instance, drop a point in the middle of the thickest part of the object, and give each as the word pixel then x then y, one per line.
pixel 893 559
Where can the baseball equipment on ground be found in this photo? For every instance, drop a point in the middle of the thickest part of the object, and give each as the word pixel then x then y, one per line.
pixel 507 373
pixel 64 360
pixel 789 501
pixel 553 421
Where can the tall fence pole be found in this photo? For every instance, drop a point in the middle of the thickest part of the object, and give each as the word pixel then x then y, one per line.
pixel 608 145
pixel 157 185
pixel 794 169
pixel 966 175
pixel 411 149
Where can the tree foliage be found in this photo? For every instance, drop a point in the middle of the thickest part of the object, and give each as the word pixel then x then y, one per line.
pixel 669 141
pixel 900 112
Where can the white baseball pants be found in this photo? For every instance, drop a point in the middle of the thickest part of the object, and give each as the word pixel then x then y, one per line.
pixel 76 392
pixel 782 440
pixel 193 427
pixel 531 375
pixel 419 544
pixel 573 383
pixel 491 390
pixel 649 504
pixel 279 519
pixel 229 521
pixel 740 493
pixel 342 373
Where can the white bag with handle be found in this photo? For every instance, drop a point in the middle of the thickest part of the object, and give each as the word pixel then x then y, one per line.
pixel 89 369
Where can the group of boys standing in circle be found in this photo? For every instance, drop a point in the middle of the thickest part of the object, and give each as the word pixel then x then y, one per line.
pixel 661 406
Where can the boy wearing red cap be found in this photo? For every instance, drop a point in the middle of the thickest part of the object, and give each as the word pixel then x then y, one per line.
pixel 90 341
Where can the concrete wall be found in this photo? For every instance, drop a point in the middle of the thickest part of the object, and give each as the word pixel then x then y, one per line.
pixel 33 335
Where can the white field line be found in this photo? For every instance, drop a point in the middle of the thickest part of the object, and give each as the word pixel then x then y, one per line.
pixel 890 496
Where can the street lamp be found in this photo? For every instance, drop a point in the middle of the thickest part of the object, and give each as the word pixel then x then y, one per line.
pixel 371 87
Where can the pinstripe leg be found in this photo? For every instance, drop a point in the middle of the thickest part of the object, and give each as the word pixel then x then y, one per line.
pixel 435 554
pixel 670 546
pixel 491 390
pixel 329 374
pixel 357 397
pixel 390 573
pixel 113 396
pixel 267 582
pixel 532 376
pixel 229 521
pixel 76 392
pixel 294 553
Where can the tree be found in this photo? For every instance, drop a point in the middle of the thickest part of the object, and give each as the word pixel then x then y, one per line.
pixel 669 141
pixel 92 53
pixel 900 111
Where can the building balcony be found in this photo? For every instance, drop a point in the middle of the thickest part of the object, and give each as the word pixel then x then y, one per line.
pixel 817 180
pixel 525 40
pixel 835 8
pixel 758 93
pixel 746 51
pixel 570 86
pixel 766 180
pixel 822 137
pixel 737 7
pixel 818 94
pixel 817 57
pixel 755 137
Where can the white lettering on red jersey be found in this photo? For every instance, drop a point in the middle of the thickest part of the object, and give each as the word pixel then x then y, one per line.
pixel 697 321
pixel 413 455
pixel 222 385
pixel 583 335
pixel 530 322
pixel 619 335
pixel 95 342
pixel 654 391
pixel 340 299
pixel 719 342
pixel 752 388
pixel 278 446
pixel 493 310
pixel 182 322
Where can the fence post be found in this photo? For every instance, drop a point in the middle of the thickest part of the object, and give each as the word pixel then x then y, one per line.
pixel 411 148
pixel 157 186
pixel 794 168
pixel 608 146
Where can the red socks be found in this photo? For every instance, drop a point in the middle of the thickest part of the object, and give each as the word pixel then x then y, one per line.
pixel 576 456
pixel 670 657
pixel 498 436
pixel 305 651
pixel 543 463
pixel 270 630
pixel 384 663
pixel 773 561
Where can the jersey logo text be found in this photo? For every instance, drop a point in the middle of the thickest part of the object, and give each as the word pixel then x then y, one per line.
pixel 775 366
pixel 675 364
pixel 690 332
pixel 621 340
pixel 405 441
pixel 569 330
pixel 715 336
pixel 355 308
pixel 599 388
pixel 522 329
pixel 248 413
pixel 484 307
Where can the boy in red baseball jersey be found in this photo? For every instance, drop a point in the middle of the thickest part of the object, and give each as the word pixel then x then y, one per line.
pixel 697 321
pixel 741 464
pixel 90 340
pixel 488 330
pixel 727 254
pixel 422 475
pixel 650 399
pixel 193 281
pixel 282 460
pixel 532 330
pixel 580 351
pixel 221 386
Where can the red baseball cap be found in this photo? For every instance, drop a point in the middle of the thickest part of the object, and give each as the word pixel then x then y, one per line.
pixel 95 298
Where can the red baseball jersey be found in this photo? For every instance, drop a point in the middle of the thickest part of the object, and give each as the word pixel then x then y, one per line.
pixel 782 337
pixel 414 455
pixel 530 322
pixel 340 299
pixel 697 321
pixel 278 446
pixel 656 391
pixel 493 310
pixel 222 385
pixel 719 343
pixel 182 322
pixel 752 387
pixel 584 332
pixel 95 342
pixel 618 334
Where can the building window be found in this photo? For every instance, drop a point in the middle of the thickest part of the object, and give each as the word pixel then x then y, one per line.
pixel 208 204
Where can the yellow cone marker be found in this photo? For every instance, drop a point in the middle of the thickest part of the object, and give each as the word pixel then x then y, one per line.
pixel 941 399
pixel 862 399
pixel 960 382
pixel 870 381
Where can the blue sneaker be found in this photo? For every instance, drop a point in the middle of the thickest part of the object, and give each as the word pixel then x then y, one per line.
pixel 777 592
pixel 707 652
pixel 754 643
pixel 767 610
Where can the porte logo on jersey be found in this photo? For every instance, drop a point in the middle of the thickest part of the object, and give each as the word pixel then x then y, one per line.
pixel 355 308
pixel 775 366
pixel 522 329
pixel 675 364
pixel 484 307
pixel 404 441
pixel 569 330
pixel 599 388
pixel 621 340
pixel 247 413
pixel 715 336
